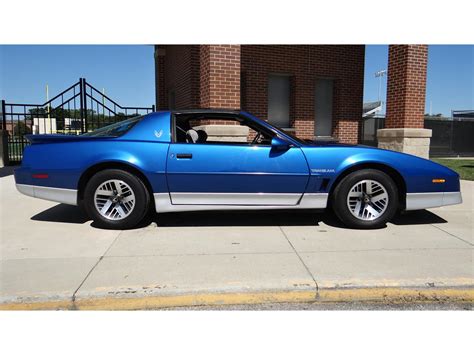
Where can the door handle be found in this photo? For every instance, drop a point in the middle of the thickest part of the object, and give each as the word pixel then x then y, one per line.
pixel 184 156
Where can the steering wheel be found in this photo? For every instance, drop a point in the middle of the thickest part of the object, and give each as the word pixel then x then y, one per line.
pixel 257 138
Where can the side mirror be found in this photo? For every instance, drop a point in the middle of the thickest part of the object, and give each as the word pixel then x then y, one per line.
pixel 280 144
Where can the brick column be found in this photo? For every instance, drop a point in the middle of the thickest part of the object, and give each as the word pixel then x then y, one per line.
pixel 160 90
pixel 406 86
pixel 219 76
pixel 406 89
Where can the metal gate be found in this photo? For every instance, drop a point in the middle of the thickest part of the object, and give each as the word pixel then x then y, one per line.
pixel 78 109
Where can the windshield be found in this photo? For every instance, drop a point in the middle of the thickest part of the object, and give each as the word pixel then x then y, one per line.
pixel 116 129
pixel 299 140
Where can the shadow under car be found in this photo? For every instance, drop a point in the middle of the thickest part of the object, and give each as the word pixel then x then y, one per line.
pixel 73 214
pixel 7 171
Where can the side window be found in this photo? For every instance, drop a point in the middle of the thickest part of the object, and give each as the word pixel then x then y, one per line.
pixel 209 129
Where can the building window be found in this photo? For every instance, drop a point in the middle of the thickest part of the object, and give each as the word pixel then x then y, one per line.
pixel 323 104
pixel 172 100
pixel 279 100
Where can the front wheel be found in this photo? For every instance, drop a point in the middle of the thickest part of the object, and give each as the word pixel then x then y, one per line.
pixel 365 199
pixel 116 199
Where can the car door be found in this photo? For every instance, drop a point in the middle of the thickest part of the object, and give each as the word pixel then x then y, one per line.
pixel 235 174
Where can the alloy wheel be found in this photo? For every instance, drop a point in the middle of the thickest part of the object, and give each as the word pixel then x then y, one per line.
pixel 114 199
pixel 367 200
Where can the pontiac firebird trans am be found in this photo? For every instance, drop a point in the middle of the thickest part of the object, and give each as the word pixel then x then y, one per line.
pixel 174 161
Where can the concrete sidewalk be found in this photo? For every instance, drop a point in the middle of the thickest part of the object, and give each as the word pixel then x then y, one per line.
pixel 52 257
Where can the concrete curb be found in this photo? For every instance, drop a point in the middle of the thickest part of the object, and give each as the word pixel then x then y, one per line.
pixel 397 294
pixel 369 294
pixel 34 306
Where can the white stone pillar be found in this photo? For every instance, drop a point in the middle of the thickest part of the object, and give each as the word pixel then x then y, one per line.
pixel 414 141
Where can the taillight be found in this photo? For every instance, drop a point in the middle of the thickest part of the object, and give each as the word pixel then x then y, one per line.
pixel 40 176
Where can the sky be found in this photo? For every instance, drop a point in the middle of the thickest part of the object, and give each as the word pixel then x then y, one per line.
pixel 127 73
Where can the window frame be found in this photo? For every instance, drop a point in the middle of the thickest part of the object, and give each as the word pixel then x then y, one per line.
pixel 219 115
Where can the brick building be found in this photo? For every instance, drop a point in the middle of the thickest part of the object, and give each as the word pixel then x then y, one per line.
pixel 314 91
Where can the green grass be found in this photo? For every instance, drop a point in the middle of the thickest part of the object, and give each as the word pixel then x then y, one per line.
pixel 464 167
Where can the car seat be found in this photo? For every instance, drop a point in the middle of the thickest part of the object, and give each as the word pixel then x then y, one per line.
pixel 193 136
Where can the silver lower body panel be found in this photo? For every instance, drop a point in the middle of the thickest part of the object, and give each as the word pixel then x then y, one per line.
pixel 419 201
pixel 66 196
pixel 250 199
pixel 233 201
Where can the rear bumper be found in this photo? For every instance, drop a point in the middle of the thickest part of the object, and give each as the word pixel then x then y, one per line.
pixel 66 196
pixel 419 201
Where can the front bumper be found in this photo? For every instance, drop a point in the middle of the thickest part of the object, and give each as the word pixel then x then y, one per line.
pixel 419 201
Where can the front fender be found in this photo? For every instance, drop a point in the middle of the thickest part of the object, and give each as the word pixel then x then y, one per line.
pixel 417 173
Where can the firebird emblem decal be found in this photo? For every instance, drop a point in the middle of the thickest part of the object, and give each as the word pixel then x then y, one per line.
pixel 159 134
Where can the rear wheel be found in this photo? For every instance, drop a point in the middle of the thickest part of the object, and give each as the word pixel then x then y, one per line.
pixel 365 199
pixel 116 199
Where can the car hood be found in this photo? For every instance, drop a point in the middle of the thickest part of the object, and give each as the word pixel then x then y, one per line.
pixel 337 145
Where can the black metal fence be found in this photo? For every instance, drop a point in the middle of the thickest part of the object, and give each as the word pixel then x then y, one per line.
pixel 370 125
pixel 450 137
pixel 453 137
pixel 78 109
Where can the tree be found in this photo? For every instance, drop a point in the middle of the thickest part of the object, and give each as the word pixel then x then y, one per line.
pixel 20 128
pixel 434 117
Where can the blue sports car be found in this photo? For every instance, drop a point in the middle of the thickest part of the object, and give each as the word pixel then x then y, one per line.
pixel 194 160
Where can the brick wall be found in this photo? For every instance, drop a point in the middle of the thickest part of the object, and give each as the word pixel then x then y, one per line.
pixel 160 90
pixel 406 86
pixel 347 130
pixel 233 76
pixel 305 63
pixel 220 76
pixel 179 76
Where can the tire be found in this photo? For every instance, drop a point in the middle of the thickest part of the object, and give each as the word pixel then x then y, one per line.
pixel 365 199
pixel 116 199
